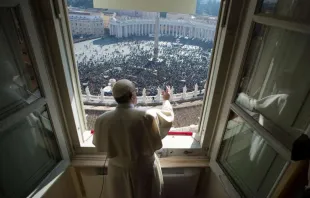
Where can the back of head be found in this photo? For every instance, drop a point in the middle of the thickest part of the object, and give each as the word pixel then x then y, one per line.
pixel 123 91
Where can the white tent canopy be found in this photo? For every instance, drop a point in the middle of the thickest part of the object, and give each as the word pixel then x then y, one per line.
pixel 176 6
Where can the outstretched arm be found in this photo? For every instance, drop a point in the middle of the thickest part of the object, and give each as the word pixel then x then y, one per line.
pixel 164 117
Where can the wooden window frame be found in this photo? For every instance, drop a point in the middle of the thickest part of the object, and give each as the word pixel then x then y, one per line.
pixel 76 115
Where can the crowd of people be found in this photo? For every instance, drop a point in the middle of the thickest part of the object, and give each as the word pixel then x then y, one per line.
pixel 180 62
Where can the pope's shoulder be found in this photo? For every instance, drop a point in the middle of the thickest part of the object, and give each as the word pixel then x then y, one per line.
pixel 134 112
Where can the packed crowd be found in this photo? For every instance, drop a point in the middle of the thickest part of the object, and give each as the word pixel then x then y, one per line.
pixel 180 62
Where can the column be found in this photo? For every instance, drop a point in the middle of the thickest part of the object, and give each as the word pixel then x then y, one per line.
pixel 193 32
pixel 121 31
pixel 168 29
pixel 128 29
pixel 174 30
pixel 143 31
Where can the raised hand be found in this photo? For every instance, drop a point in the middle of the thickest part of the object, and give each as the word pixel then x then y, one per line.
pixel 166 93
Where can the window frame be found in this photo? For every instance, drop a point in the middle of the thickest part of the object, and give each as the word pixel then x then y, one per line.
pixel 49 97
pixel 278 143
pixel 76 134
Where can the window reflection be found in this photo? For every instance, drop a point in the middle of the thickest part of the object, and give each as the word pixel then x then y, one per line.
pixel 18 83
pixel 296 10
pixel 275 82
pixel 36 154
pixel 245 155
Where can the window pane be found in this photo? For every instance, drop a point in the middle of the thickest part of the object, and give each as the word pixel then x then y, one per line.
pixel 250 162
pixel 276 84
pixel 297 10
pixel 123 44
pixel 18 83
pixel 28 152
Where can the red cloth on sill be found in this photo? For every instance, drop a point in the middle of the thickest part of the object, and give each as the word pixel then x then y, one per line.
pixel 180 133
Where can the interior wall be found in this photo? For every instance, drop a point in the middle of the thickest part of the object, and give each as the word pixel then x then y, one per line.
pixel 210 186
pixel 206 185
pixel 63 187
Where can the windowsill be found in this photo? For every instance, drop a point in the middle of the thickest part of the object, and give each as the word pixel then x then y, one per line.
pixel 169 142
pixel 98 161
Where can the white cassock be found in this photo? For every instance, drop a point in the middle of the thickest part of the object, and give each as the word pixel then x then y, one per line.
pixel 130 137
pixel 271 107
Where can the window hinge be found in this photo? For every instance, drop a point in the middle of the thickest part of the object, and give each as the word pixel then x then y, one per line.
pixel 225 12
pixel 56 9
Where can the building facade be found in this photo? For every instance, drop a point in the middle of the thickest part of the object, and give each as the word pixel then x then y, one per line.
pixel 86 24
pixel 122 27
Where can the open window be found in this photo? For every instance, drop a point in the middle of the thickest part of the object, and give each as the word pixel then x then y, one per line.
pixel 32 146
pixel 266 105
pixel 170 47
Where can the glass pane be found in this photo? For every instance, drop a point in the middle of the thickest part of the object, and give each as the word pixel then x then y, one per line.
pixel 250 162
pixel 297 10
pixel 18 83
pixel 28 152
pixel 117 44
pixel 276 84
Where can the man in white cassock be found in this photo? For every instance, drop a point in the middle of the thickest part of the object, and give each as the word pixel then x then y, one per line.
pixel 130 137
